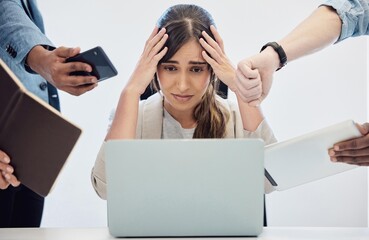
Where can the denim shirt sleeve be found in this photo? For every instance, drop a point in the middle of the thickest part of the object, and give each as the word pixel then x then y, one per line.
pixel 354 15
pixel 18 31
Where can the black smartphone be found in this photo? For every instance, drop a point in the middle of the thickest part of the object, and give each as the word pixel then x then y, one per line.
pixel 102 68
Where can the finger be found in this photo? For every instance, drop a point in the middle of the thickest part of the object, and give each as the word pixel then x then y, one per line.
pixel 212 42
pixel 79 90
pixel 251 101
pixel 249 88
pixel 353 160
pixel 356 164
pixel 5 167
pixel 79 81
pixel 4 157
pixel 214 64
pixel 75 67
pixel 152 42
pixel 247 71
pixel 160 55
pixel 210 50
pixel 249 95
pixel 364 128
pixel 65 52
pixel 3 183
pixel 217 37
pixel 356 143
pixel 11 179
pixel 154 51
pixel 350 153
pixel 153 33
pixel 247 83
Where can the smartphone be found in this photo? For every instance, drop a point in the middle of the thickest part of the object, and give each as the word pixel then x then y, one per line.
pixel 102 68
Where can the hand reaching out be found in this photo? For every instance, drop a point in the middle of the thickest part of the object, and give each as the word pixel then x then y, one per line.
pixel 215 56
pixel 51 65
pixel 266 64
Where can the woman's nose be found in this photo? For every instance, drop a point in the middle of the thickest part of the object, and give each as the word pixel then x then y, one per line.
pixel 182 83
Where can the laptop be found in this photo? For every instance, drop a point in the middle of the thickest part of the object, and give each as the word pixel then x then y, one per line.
pixel 305 159
pixel 185 188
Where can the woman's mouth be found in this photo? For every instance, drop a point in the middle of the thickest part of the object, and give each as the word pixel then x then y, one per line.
pixel 182 97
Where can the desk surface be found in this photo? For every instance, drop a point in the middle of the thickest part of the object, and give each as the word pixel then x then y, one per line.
pixel 270 233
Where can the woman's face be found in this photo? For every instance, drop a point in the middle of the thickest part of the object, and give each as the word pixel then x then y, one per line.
pixel 184 78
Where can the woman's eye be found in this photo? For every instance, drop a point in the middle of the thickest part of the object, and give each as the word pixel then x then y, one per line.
pixel 169 68
pixel 197 69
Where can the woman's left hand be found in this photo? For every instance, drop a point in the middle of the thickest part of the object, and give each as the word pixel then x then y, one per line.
pixel 227 73
pixel 220 63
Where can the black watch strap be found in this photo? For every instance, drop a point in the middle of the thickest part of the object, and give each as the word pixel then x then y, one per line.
pixel 279 50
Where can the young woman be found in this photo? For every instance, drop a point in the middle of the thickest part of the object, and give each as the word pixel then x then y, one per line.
pixel 183 59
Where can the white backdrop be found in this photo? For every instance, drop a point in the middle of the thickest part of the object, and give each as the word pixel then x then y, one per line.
pixel 308 94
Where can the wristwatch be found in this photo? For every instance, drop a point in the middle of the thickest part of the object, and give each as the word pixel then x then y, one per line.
pixel 279 50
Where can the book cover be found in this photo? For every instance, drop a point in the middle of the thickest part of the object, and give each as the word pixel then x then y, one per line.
pixel 37 138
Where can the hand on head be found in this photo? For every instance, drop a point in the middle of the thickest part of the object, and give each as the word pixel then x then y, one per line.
pixel 214 55
pixel 245 81
pixel 354 151
pixel 6 172
pixel 148 62
pixel 51 65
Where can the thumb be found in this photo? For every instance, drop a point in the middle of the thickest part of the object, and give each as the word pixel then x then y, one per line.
pixel 65 52
pixel 364 128
pixel 246 69
pixel 250 73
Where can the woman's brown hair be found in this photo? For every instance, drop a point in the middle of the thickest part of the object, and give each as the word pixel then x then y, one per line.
pixel 184 22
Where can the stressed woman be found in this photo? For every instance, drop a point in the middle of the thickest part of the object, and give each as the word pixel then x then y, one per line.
pixel 183 60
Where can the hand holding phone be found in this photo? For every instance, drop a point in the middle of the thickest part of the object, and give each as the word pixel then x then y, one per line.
pixel 102 68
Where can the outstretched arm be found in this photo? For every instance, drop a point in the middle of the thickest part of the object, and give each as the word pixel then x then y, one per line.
pixel 332 22
pixel 22 42
pixel 319 30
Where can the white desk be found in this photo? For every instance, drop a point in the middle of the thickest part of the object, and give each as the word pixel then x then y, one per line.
pixel 103 234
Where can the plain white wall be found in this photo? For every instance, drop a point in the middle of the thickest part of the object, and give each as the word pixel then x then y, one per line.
pixel 308 94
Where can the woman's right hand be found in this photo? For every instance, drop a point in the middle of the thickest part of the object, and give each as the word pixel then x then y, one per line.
pixel 147 65
pixel 6 172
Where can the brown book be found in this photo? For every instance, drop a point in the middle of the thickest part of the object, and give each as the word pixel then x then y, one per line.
pixel 37 138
